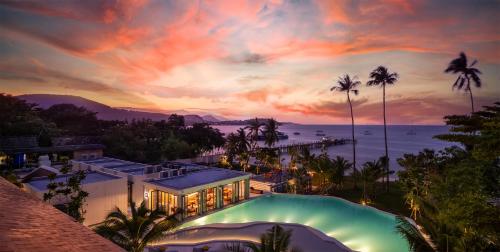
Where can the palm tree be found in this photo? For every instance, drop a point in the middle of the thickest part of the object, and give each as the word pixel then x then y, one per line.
pixel 275 239
pixel 253 132
pixel 416 240
pixel 371 172
pixel 347 84
pixel 340 165
pixel 135 233
pixel 271 132
pixel 382 77
pixel 465 74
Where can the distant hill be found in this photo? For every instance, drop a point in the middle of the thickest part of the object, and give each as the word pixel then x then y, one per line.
pixel 104 112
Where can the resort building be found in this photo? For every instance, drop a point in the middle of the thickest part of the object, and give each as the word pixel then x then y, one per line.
pixel 196 189
pixel 106 192
pixel 198 192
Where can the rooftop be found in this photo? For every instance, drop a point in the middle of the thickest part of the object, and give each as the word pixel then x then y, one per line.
pixel 28 224
pixel 197 178
pixel 92 177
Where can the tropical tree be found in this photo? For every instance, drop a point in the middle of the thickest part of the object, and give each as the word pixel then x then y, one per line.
pixel 253 132
pixel 142 228
pixel 369 174
pixel 382 77
pixel 340 165
pixel 275 239
pixel 465 73
pixel 347 84
pixel 416 240
pixel 270 132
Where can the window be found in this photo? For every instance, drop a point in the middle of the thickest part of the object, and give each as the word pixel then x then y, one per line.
pixel 241 190
pixel 211 198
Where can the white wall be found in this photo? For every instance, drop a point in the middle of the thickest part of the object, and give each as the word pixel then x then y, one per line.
pixel 103 197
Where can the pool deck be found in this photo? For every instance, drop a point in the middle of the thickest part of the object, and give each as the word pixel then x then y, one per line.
pixel 216 235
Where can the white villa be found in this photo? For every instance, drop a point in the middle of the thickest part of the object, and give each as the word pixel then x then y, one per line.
pixel 195 189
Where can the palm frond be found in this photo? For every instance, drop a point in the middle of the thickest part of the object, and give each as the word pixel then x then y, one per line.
pixel 416 241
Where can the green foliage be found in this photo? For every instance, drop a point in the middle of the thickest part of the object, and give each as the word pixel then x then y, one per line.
pixel 275 239
pixel 449 192
pixel 18 118
pixel 148 141
pixel 73 197
pixel 270 132
pixel 72 120
pixel 415 239
pixel 142 228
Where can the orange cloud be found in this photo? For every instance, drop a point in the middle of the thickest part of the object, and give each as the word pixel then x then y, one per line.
pixel 407 110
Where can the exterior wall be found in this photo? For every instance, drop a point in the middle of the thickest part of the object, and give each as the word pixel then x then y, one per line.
pixel 103 198
pixel 87 154
pixel 202 193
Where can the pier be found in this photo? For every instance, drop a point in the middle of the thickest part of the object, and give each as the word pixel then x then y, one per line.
pixel 312 145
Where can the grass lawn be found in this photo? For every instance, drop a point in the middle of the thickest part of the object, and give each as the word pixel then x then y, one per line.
pixel 392 201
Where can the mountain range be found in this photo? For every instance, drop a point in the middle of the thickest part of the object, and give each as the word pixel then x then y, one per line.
pixel 105 112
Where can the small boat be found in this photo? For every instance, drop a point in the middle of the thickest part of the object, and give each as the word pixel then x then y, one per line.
pixel 296 133
pixel 367 133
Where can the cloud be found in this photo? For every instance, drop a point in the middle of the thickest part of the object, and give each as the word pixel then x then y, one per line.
pixel 262 95
pixel 41 74
pixel 93 11
pixel 408 110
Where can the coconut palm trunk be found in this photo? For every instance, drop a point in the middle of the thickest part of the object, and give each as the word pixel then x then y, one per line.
pixel 471 96
pixel 386 161
pixel 353 140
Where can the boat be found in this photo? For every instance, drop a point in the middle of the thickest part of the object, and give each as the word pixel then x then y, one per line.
pixel 367 133
pixel 296 133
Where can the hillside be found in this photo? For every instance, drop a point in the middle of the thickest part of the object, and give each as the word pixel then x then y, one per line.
pixel 104 112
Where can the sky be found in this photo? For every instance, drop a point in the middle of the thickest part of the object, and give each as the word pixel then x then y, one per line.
pixel 241 59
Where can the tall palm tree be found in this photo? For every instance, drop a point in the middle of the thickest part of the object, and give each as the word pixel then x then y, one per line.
pixel 465 74
pixel 270 132
pixel 135 233
pixel 347 84
pixel 243 143
pixel 275 239
pixel 382 77
pixel 253 131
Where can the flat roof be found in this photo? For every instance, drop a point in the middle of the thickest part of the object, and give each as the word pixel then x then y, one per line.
pixel 197 178
pixel 33 225
pixel 92 177
pixel 117 165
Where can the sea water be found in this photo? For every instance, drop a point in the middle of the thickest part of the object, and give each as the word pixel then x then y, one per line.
pixel 370 140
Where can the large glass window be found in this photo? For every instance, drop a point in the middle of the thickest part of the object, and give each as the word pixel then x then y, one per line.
pixel 227 194
pixel 164 201
pixel 241 190
pixel 193 204
pixel 211 198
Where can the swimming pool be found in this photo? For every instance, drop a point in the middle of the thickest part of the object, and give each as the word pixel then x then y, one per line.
pixel 358 227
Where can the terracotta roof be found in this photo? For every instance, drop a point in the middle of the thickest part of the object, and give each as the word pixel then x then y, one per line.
pixel 29 224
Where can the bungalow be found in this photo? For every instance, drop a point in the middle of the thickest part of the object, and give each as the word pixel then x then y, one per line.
pixel 196 189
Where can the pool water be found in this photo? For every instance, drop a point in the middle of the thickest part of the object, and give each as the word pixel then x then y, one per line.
pixel 358 227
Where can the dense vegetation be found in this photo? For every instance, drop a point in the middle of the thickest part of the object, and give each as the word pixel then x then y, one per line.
pixel 452 193
pixel 138 140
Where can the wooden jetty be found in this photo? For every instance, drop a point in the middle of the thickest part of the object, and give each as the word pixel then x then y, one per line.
pixel 321 144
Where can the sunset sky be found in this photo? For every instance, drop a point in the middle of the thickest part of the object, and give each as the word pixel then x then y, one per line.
pixel 241 59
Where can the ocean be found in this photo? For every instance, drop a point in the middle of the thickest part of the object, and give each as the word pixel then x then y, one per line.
pixel 370 139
